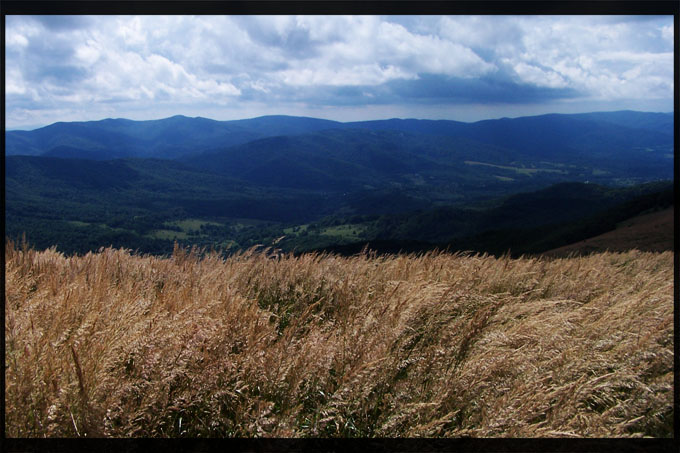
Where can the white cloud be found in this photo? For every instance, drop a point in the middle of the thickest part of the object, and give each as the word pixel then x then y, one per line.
pixel 667 33
pixel 14 83
pixel 501 35
pixel 601 58
pixel 537 76
pixel 429 53
pixel 131 75
pixel 326 28
pixel 88 53
pixel 373 53
pixel 130 31
pixel 106 62
pixel 15 39
pixel 365 74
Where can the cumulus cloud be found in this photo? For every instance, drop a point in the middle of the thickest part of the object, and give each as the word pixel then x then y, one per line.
pixel 14 84
pixel 599 57
pixel 110 65
pixel 103 60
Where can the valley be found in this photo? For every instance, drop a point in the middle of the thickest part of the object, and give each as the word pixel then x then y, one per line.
pixel 525 184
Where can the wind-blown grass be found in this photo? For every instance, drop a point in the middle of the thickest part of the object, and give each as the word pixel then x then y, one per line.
pixel 259 344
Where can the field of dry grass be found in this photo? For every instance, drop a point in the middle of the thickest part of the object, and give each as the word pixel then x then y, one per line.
pixel 114 344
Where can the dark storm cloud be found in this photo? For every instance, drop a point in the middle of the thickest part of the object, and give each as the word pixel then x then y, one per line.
pixel 293 40
pixel 434 88
pixel 54 63
pixel 428 89
pixel 60 75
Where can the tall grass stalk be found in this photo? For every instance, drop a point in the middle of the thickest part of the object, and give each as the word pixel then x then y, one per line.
pixel 261 344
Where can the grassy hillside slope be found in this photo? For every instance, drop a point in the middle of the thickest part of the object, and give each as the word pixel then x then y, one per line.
pixel 525 223
pixel 113 344
pixel 649 232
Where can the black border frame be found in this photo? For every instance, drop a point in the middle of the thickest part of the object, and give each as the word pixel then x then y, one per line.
pixel 332 7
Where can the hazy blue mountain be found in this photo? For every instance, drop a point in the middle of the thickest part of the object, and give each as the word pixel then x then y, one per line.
pixel 93 140
pixel 90 153
pixel 654 121
pixel 375 167
pixel 250 181
pixel 625 140
pixel 638 139
pixel 273 125
pixel 556 135
pixel 114 138
pixel 509 153
pixel 166 138
pixel 658 122
pixel 431 127
pixel 341 160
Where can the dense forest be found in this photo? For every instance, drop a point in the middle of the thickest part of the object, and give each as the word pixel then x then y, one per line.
pixel 523 185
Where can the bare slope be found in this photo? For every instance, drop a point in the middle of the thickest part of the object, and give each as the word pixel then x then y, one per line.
pixel 651 232
pixel 110 344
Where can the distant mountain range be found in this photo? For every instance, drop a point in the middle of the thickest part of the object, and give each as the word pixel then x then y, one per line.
pixel 323 183
pixel 181 136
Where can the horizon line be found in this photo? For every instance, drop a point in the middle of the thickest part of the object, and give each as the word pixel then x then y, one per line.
pixel 33 128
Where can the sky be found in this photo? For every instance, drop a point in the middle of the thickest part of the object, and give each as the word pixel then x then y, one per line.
pixel 345 68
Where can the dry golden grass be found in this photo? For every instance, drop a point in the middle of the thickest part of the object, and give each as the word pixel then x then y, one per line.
pixel 114 344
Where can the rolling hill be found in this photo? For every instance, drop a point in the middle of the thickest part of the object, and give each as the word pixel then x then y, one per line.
pixel 71 188
pixel 322 183
pixel 166 138
pixel 634 143
pixel 525 223
pixel 648 232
